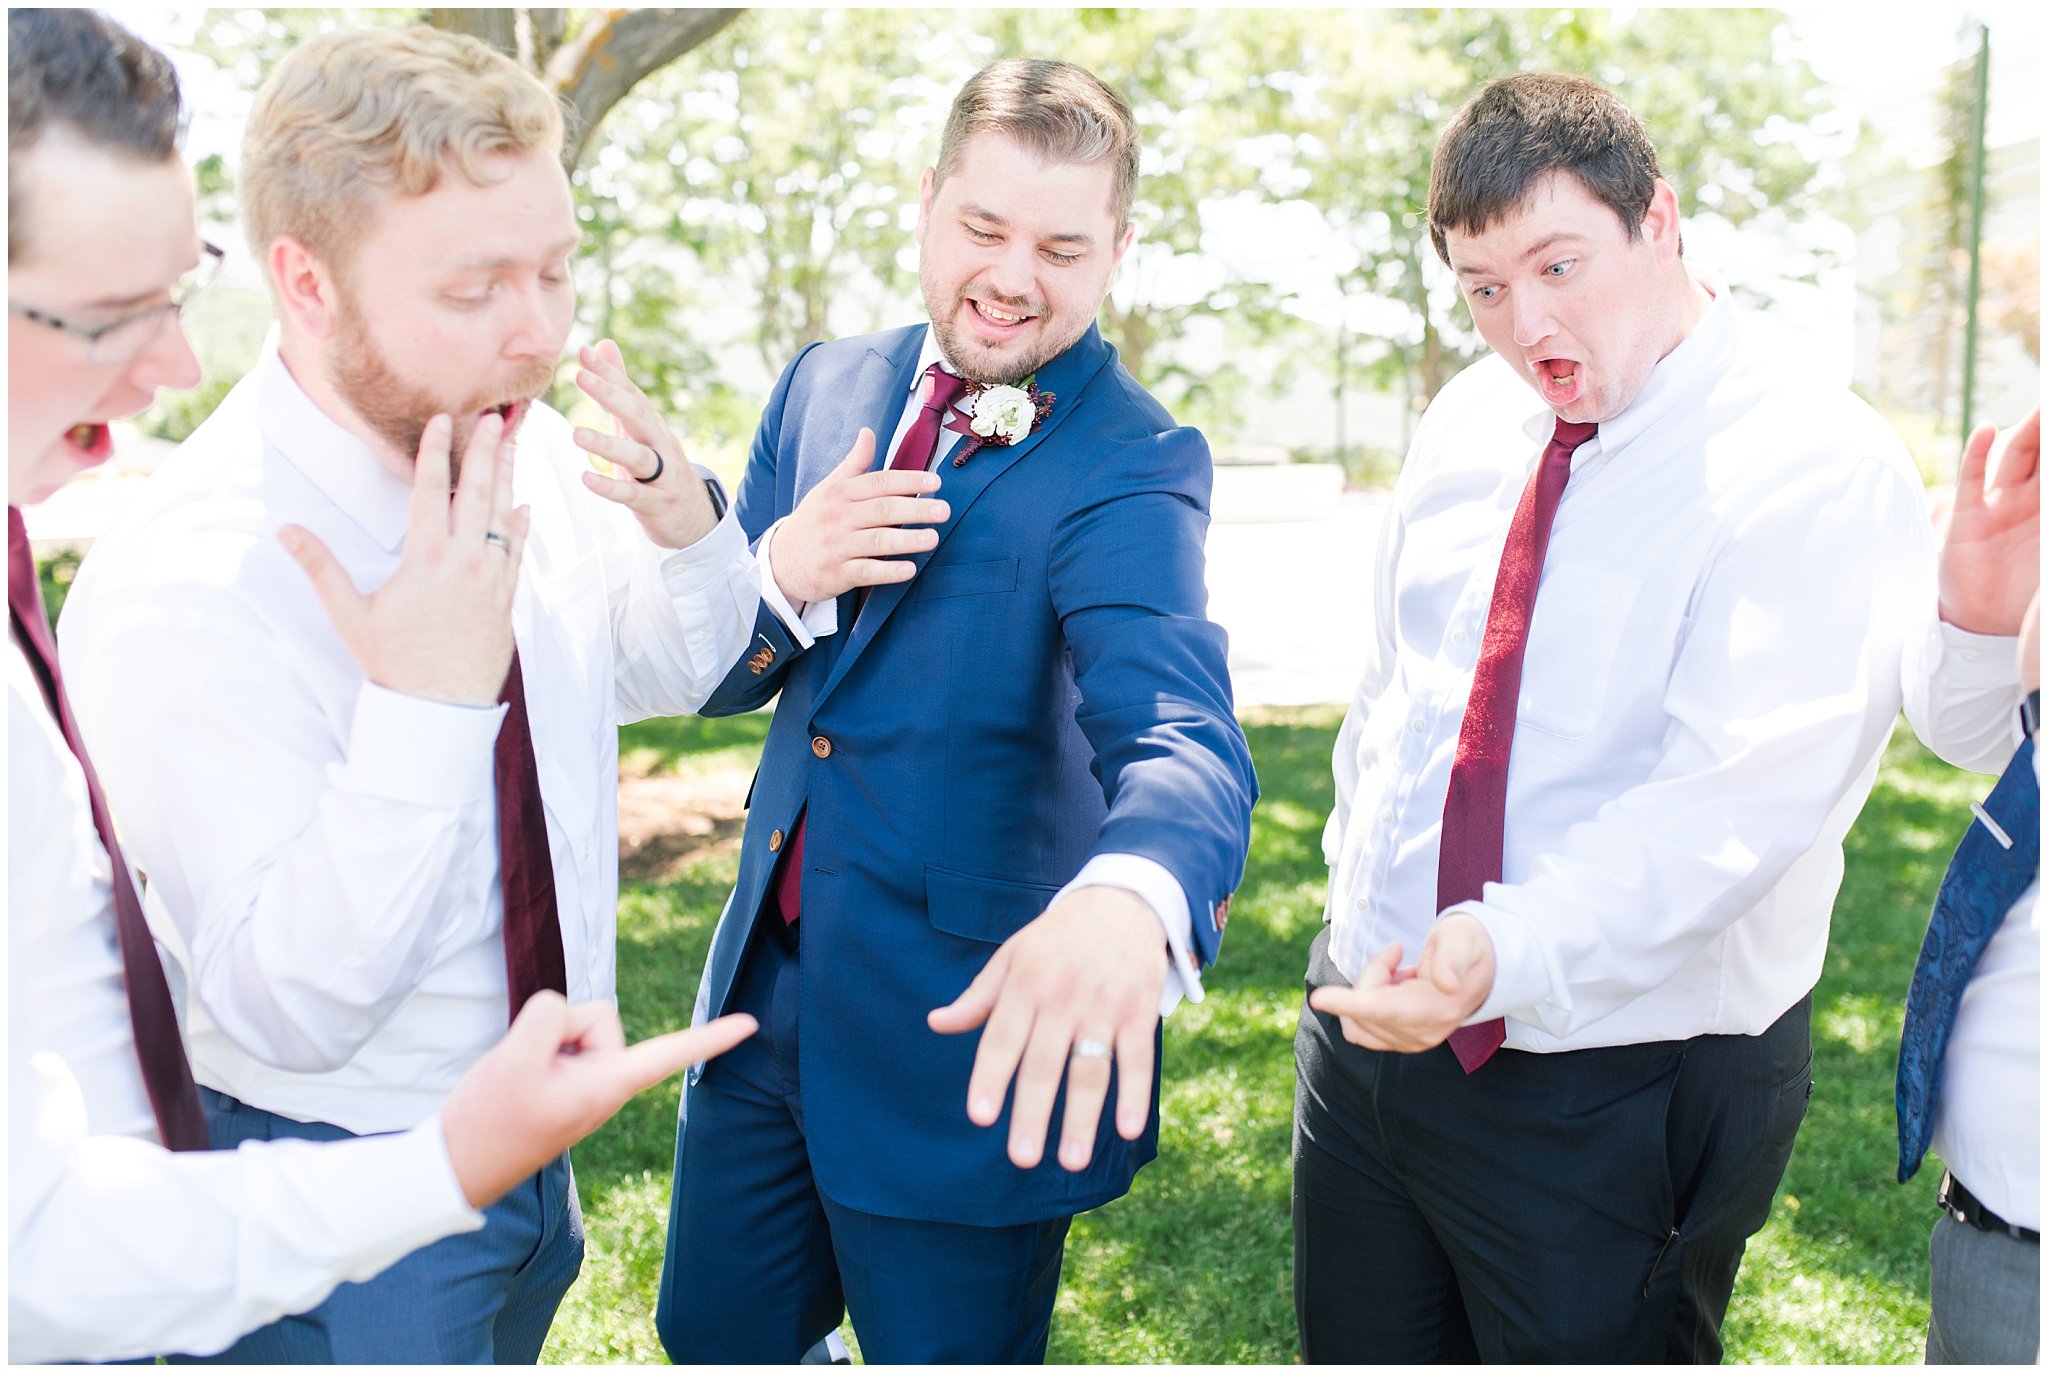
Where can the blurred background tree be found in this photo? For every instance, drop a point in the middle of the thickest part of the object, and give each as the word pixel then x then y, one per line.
pixel 748 182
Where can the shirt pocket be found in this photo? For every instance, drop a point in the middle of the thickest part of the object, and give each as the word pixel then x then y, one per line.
pixel 1574 644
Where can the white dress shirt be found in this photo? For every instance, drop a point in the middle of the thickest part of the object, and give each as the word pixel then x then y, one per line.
pixel 1146 878
pixel 1962 697
pixel 1710 678
pixel 321 852
pixel 116 1247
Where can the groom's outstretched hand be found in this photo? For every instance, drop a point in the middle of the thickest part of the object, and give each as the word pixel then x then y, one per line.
pixel 1061 996
pixel 848 530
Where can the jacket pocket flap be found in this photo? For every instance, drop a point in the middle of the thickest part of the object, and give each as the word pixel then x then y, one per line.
pixel 966 579
pixel 984 908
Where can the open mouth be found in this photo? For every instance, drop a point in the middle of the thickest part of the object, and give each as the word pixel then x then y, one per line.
pixel 510 411
pixel 92 442
pixel 1560 380
pixel 998 320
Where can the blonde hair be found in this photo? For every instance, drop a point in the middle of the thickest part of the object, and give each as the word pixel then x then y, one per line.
pixel 369 110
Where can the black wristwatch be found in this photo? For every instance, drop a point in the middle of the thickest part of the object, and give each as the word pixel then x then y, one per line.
pixel 2030 712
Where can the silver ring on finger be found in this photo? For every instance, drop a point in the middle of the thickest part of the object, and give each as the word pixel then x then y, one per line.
pixel 498 541
pixel 659 466
pixel 1089 1048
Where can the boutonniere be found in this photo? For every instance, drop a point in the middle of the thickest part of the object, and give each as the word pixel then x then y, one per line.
pixel 998 415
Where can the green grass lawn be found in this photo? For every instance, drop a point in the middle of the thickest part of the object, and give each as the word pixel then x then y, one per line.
pixel 1193 1265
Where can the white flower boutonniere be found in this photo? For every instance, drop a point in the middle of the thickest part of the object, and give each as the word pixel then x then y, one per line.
pixel 998 416
pixel 1003 413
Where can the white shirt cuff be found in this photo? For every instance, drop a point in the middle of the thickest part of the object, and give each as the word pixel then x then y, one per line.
pixel 1521 975
pixel 410 748
pixel 1161 890
pixel 1978 660
pixel 685 571
pixel 815 620
pixel 439 1191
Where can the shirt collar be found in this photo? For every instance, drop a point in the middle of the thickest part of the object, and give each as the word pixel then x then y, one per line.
pixel 926 356
pixel 337 463
pixel 1680 378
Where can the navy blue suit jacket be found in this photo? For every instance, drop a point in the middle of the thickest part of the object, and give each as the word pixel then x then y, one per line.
pixel 1046 688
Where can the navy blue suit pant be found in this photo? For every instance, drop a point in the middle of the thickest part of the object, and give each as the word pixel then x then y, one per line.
pixel 761 1265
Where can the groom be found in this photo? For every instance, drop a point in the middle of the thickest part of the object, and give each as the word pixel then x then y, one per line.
pixel 1006 784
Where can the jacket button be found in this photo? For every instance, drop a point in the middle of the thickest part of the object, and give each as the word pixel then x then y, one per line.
pixel 822 746
pixel 775 842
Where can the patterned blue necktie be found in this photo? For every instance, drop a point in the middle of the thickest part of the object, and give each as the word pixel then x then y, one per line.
pixel 1983 880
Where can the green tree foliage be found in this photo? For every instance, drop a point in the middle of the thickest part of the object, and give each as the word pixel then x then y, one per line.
pixel 759 192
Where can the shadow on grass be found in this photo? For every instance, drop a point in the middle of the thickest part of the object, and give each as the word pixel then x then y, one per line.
pixel 1195 1264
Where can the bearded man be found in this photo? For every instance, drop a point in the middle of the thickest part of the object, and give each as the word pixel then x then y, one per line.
pixel 1004 790
pixel 368 841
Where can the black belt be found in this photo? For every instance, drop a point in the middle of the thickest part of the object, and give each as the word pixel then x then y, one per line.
pixel 1957 1200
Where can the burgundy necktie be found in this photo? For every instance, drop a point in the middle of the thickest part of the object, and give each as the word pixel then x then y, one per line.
pixel 526 872
pixel 920 441
pixel 1475 809
pixel 166 1075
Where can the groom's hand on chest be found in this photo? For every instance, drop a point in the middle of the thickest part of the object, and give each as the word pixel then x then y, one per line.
pixel 848 530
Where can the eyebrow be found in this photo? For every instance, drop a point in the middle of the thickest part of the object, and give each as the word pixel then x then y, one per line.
pixel 560 248
pixel 1536 249
pixel 1074 236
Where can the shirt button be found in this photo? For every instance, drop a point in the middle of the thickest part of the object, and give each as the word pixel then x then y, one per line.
pixel 821 746
pixel 1363 903
pixel 1416 724
pixel 1387 815
pixel 1458 636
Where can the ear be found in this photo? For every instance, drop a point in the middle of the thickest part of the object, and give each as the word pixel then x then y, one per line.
pixel 926 189
pixel 1660 222
pixel 306 289
pixel 1123 244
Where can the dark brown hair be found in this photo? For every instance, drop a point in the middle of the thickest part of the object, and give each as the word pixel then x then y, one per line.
pixel 1518 130
pixel 79 70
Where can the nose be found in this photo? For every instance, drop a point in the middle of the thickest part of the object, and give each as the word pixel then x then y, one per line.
pixel 1532 320
pixel 539 327
pixel 168 361
pixel 1012 273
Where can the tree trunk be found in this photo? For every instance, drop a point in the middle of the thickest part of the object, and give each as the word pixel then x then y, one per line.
pixel 592 72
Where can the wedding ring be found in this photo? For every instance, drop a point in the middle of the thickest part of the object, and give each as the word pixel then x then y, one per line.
pixel 498 541
pixel 1089 1048
pixel 659 465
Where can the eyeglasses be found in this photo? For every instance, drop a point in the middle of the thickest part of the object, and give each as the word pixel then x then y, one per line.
pixel 119 340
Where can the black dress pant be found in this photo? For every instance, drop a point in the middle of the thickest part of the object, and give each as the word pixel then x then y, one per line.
pixel 1589 1206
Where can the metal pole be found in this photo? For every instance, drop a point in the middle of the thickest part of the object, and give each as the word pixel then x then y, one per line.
pixel 1976 226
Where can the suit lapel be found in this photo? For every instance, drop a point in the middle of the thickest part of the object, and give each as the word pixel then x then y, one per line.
pixel 881 383
pixel 1065 377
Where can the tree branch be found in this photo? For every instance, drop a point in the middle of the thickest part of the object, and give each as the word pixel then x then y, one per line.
pixel 615 49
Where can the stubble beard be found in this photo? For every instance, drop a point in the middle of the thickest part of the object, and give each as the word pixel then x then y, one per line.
pixel 979 361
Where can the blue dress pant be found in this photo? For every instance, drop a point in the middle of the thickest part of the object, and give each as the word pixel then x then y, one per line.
pixel 1590 1206
pixel 483 1297
pixel 761 1264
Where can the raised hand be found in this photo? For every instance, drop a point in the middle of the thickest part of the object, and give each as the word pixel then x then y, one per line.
pixel 659 486
pixel 441 627
pixel 1991 553
pixel 846 531
pixel 559 1073
pixel 1068 995
pixel 1408 1010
